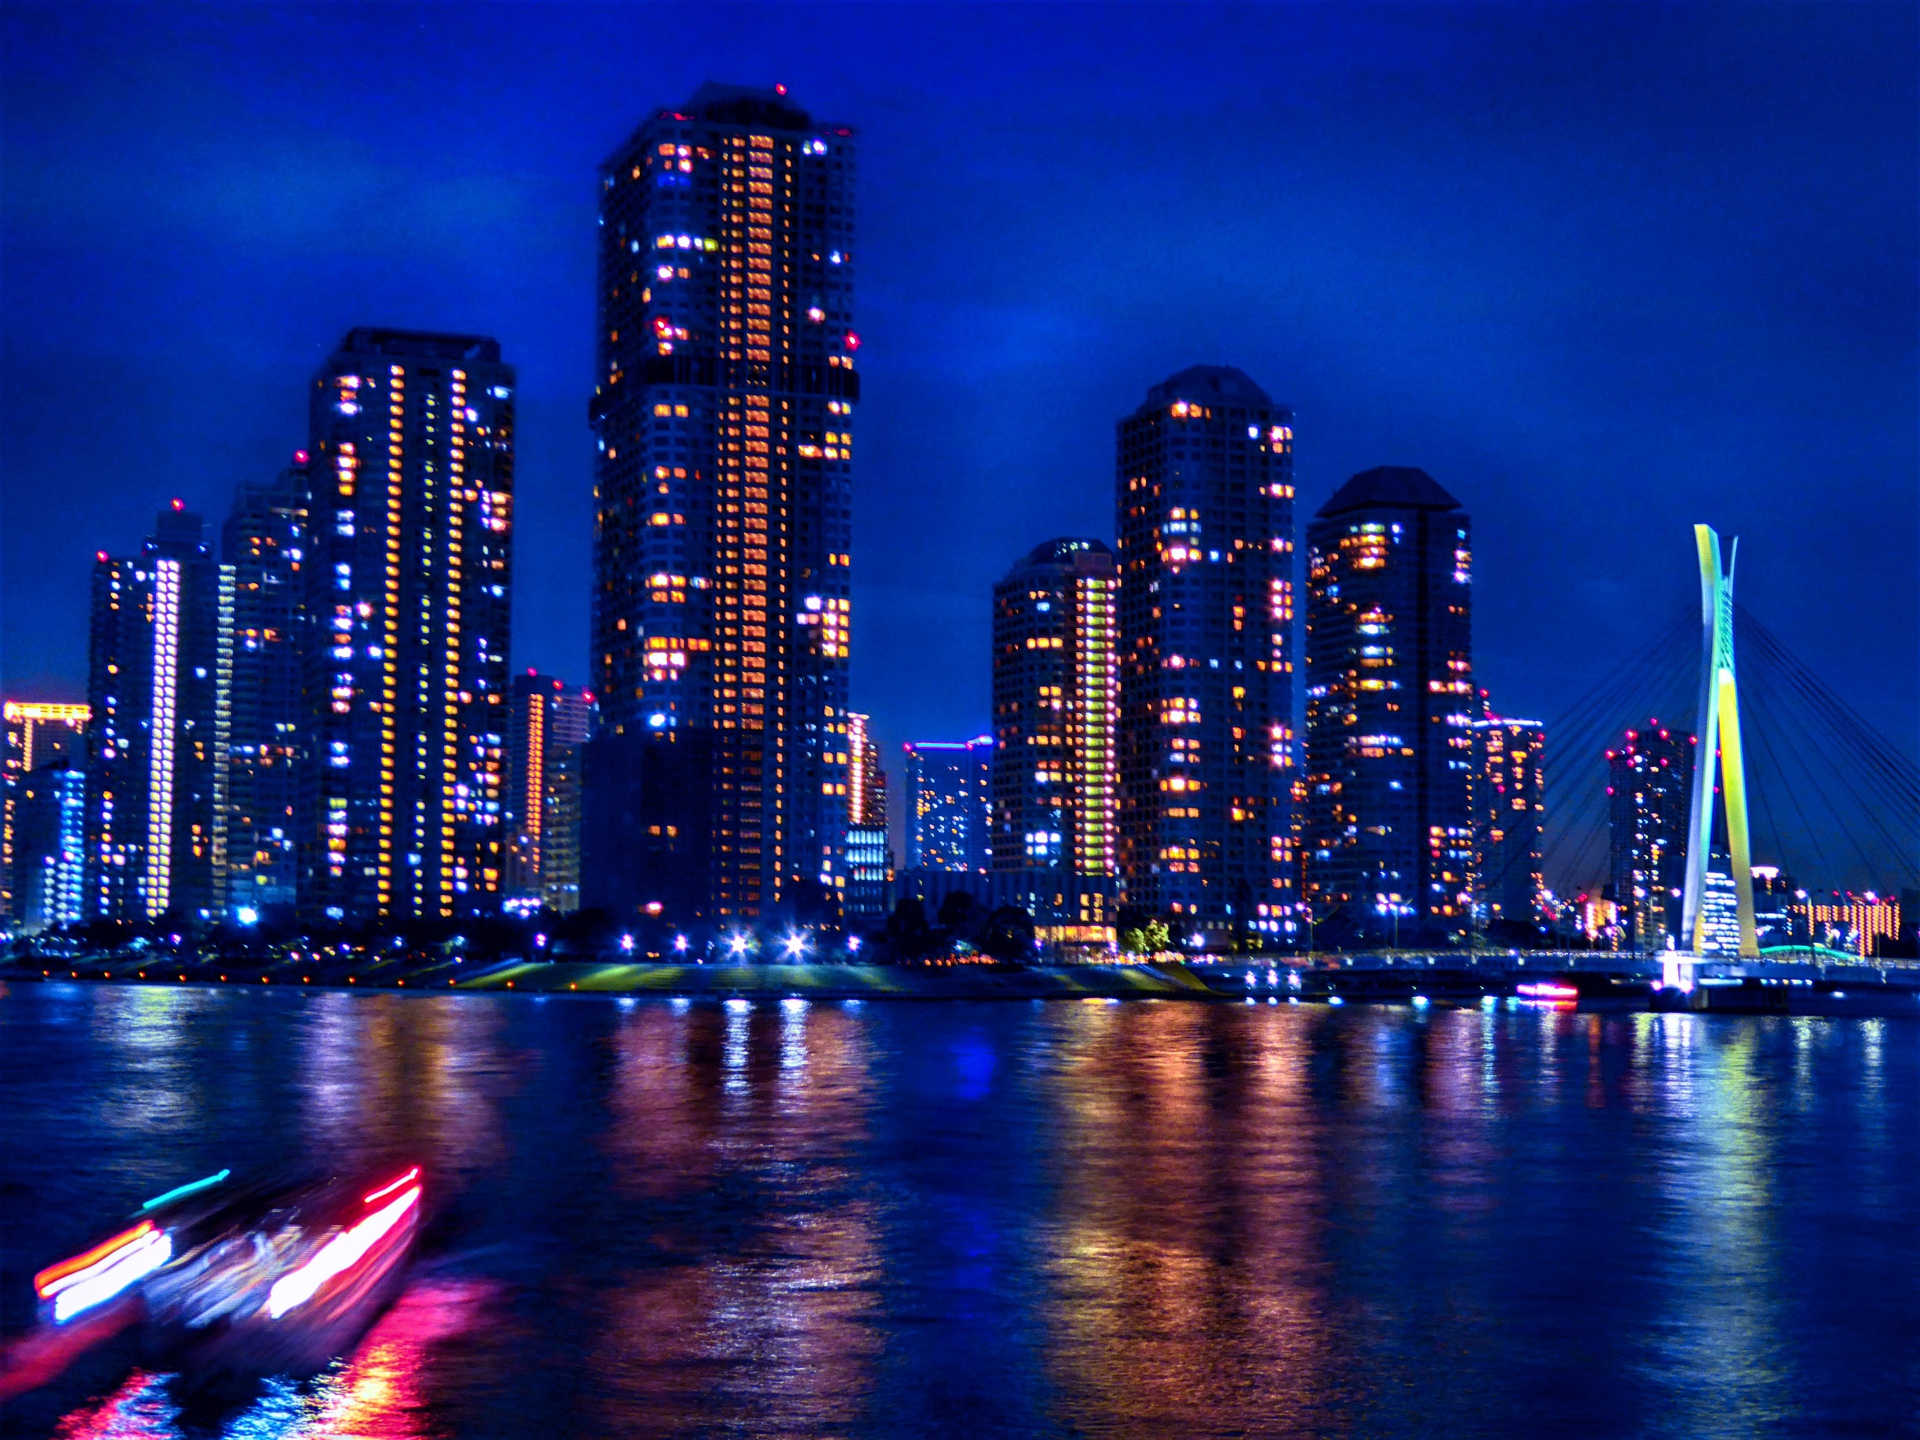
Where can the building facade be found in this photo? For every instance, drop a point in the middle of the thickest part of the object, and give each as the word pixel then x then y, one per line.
pixel 1055 772
pixel 263 545
pixel 551 724
pixel 723 418
pixel 1510 812
pixel 1649 804
pixel 50 841
pixel 37 733
pixel 1205 499
pixel 1389 830
pixel 156 692
pixel 949 804
pixel 408 584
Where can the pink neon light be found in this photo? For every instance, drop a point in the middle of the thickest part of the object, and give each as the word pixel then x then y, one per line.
pixel 411 1175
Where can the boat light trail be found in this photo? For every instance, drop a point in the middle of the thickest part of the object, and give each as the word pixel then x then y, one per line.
pixel 341 1253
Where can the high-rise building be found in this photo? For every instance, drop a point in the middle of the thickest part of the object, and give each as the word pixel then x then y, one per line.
pixel 264 546
pixel 50 845
pixel 1388 838
pixel 1650 799
pixel 724 415
pixel 1509 816
pixel 38 733
pixel 1206 689
pixel 949 809
pixel 155 808
pixel 1055 694
pixel 409 573
pixel 551 724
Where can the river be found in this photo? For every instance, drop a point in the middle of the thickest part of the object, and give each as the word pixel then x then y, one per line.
pixel 1172 1219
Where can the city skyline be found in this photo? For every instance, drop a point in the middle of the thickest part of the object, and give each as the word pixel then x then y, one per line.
pixel 1376 375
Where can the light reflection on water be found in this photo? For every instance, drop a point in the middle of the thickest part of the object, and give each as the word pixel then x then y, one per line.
pixel 1155 1219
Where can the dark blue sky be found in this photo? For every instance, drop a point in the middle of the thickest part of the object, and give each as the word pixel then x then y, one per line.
pixel 1601 271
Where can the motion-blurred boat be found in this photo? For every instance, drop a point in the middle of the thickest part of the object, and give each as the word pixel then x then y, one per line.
pixel 265 1278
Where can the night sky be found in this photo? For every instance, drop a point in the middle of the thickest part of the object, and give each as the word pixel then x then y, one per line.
pixel 1602 271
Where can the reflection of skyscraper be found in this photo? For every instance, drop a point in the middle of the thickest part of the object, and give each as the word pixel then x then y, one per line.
pixel 408 574
pixel 1649 784
pixel 1389 828
pixel 948 814
pixel 1509 812
pixel 1205 500
pixel 154 824
pixel 551 722
pixel 263 545
pixel 724 414
pixel 37 734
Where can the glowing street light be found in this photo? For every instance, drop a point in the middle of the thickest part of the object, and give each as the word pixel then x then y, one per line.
pixel 680 944
pixel 795 944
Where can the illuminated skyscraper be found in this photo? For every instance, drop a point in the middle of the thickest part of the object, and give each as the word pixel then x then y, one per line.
pixel 50 845
pixel 263 545
pixel 155 816
pixel 1389 827
pixel 1055 694
pixel 949 813
pixel 1509 813
pixel 1650 797
pixel 37 734
pixel 1206 690
pixel 409 573
pixel 551 723
pixel 724 416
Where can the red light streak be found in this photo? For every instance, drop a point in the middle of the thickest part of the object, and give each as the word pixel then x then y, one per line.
pixel 411 1175
pixel 47 1281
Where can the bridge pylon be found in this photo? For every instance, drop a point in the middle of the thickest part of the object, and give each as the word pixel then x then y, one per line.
pixel 1719 732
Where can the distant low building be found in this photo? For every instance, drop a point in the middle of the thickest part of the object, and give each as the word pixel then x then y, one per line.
pixel 37 734
pixel 551 724
pixel 50 846
pixel 1649 789
pixel 948 814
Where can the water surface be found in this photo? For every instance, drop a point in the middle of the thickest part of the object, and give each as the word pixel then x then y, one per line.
pixel 1052 1219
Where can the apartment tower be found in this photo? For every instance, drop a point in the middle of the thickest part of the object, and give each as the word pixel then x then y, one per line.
pixel 408 573
pixel 1389 829
pixel 723 418
pixel 1205 498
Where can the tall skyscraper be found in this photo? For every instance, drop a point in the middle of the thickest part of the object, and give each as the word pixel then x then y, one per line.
pixel 50 845
pixel 949 810
pixel 409 574
pixel 38 733
pixel 264 547
pixel 1509 815
pixel 155 808
pixel 1649 805
pixel 1389 829
pixel 724 416
pixel 1055 697
pixel 551 723
pixel 1206 691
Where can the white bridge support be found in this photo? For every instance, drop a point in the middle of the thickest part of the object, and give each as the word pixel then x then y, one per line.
pixel 1719 752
